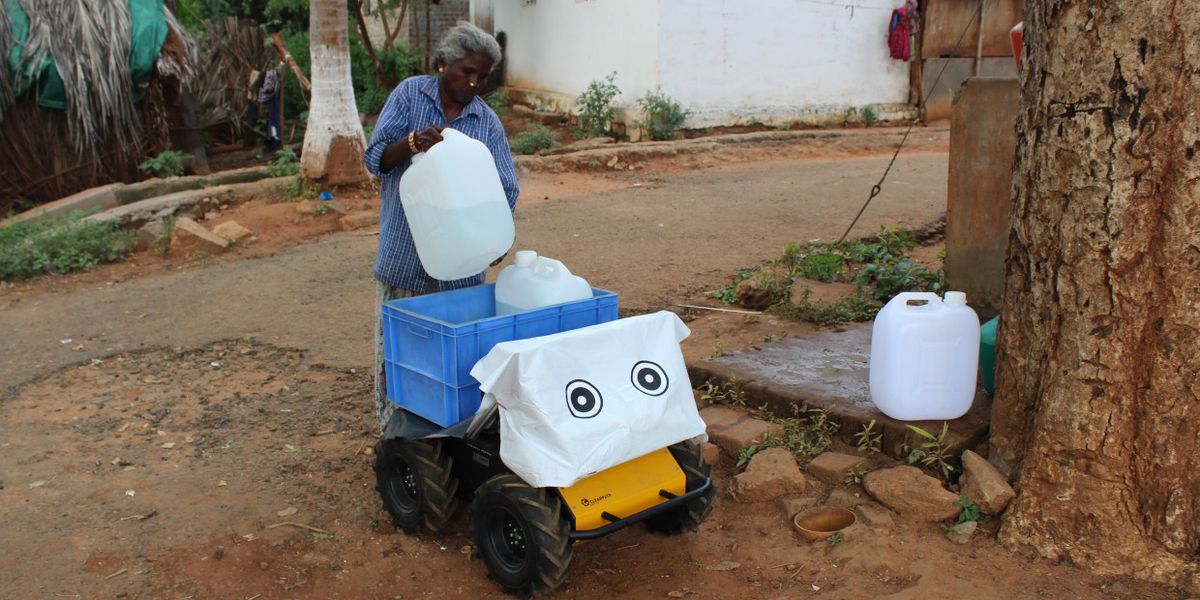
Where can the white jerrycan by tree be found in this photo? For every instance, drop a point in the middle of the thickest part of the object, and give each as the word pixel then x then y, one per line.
pixel 534 281
pixel 924 357
pixel 456 207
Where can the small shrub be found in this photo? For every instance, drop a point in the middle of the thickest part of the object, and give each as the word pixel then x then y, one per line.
pixel 824 267
pixel 285 163
pixel 596 106
pixel 536 138
pixel 59 245
pixel 870 116
pixel 498 100
pixel 167 164
pixel 663 116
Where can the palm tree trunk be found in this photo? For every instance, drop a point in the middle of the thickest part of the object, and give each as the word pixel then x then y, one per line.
pixel 333 142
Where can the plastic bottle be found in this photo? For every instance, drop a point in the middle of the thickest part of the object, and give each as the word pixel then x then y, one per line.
pixel 924 357
pixel 456 208
pixel 534 281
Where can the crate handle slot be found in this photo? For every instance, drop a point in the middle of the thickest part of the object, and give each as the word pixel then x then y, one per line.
pixel 419 332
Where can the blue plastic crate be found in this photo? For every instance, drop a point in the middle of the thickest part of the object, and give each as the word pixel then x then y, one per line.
pixel 441 336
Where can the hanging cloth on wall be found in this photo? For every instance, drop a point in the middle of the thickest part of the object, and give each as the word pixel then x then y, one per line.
pixel 900 29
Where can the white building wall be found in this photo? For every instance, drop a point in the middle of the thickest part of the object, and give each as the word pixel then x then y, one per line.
pixel 728 61
pixel 559 46
pixel 735 61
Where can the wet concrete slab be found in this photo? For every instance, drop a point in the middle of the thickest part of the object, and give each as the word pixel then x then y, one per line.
pixel 829 370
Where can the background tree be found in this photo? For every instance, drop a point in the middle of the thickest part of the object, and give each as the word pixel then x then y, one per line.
pixel 1097 409
pixel 333 142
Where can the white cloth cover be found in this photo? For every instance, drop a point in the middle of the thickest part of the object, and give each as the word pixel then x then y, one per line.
pixel 575 403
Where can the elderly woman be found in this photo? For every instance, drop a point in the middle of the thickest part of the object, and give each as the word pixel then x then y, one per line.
pixel 411 122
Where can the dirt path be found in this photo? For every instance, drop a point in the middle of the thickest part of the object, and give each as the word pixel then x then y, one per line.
pixel 656 240
pixel 152 430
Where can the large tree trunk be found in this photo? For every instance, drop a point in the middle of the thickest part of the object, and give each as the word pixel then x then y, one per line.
pixel 1097 409
pixel 333 142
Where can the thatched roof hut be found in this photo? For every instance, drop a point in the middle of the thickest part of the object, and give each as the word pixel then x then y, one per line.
pixel 86 90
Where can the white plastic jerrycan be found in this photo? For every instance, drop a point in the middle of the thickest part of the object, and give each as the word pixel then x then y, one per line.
pixel 924 357
pixel 456 208
pixel 536 281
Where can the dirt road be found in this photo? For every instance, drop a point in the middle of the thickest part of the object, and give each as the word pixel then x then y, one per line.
pixel 655 239
pixel 156 432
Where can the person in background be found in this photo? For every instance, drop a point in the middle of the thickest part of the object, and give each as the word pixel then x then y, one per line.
pixel 411 122
pixel 268 94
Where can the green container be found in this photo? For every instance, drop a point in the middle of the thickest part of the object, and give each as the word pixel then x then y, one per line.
pixel 987 355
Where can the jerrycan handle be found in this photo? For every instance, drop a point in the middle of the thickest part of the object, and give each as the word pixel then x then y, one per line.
pixel 548 267
pixel 916 300
pixel 447 133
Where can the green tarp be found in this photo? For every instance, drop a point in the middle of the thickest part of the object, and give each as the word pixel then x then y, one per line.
pixel 149 30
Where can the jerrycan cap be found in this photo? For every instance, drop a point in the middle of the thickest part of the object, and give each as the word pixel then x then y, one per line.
pixel 526 258
pixel 956 298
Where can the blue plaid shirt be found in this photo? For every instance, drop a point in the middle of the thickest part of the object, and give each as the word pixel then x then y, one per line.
pixel 415 105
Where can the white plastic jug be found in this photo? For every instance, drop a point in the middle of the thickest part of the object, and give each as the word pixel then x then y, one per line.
pixel 536 281
pixel 924 357
pixel 456 208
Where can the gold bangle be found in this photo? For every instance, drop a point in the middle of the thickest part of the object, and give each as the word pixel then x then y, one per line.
pixel 412 141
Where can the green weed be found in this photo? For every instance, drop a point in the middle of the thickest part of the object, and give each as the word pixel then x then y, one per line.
pixel 869 439
pixel 285 163
pixel 970 511
pixel 498 100
pixel 167 164
pixel 931 451
pixel 869 114
pixel 536 138
pixel 59 245
pixel 826 267
pixel 663 116
pixel 596 106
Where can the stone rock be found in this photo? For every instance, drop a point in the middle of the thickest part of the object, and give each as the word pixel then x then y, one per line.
pixel 751 295
pixel 232 231
pixel 794 504
pixel 844 498
pixel 336 206
pixel 832 467
pixel 875 516
pixel 710 452
pixel 190 237
pixel 772 473
pixel 307 207
pixel 984 485
pixel 911 493
pixel 962 532
pixel 149 235
pixel 359 219
pixel 733 429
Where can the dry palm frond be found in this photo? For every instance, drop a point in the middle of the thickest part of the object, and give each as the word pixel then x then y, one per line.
pixel 230 52
pixel 88 40
pixel 178 53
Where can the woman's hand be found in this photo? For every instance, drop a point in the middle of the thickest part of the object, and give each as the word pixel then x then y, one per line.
pixel 426 138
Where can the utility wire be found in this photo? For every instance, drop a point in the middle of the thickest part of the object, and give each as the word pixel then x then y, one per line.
pixel 878 187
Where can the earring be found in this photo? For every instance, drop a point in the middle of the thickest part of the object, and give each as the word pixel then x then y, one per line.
pixel 441 69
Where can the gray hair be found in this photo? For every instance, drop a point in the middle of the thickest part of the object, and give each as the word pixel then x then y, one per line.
pixel 465 38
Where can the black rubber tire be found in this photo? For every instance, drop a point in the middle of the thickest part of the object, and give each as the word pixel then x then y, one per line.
pixel 689 516
pixel 522 535
pixel 415 481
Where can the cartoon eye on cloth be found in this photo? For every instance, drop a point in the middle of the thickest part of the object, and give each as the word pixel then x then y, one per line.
pixel 583 399
pixel 649 378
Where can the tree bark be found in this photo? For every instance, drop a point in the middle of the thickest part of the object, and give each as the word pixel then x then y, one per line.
pixel 1096 408
pixel 333 141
